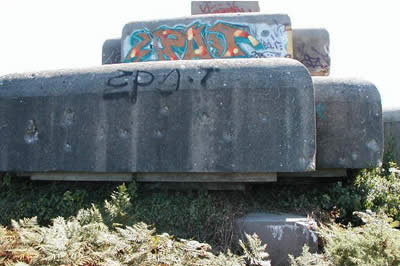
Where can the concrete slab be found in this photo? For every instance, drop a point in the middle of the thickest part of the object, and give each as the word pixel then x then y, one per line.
pixel 284 234
pixel 392 132
pixel 322 173
pixel 185 186
pixel 57 176
pixel 215 7
pixel 349 123
pixel 244 115
pixel 207 37
pixel 311 47
pixel 207 177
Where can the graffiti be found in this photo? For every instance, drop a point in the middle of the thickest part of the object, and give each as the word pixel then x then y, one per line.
pixel 209 8
pixel 313 58
pixel 213 7
pixel 204 41
pixel 126 84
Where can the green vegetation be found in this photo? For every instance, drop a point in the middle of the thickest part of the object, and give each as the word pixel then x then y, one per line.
pixel 86 209
pixel 375 243
pixel 85 239
pixel 203 216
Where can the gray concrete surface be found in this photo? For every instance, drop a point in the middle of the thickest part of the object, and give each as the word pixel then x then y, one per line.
pixel 208 36
pixel 284 234
pixel 311 47
pixel 111 52
pixel 392 132
pixel 349 123
pixel 244 115
pixel 214 7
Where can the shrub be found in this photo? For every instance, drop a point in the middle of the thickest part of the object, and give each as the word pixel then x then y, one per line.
pixel 380 189
pixel 373 244
pixel 85 239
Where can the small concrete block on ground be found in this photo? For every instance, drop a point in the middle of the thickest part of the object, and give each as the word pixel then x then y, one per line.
pixel 349 123
pixel 392 132
pixel 284 234
pixel 244 115
pixel 215 7
pixel 311 47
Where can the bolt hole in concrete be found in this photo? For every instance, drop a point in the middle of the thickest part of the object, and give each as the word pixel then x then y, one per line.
pixel 31 133
pixel 68 117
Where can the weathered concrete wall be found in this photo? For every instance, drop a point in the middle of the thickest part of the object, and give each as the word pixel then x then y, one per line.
pixel 250 115
pixel 284 234
pixel 111 52
pixel 311 47
pixel 207 37
pixel 392 132
pixel 349 123
pixel 215 7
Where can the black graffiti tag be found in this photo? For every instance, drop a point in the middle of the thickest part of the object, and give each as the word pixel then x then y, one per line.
pixel 120 85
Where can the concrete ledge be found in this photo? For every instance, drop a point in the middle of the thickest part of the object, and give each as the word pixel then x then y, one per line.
pixel 203 186
pixel 318 173
pixel 207 177
pixel 110 177
pixel 244 115
pixel 284 234
pixel 349 123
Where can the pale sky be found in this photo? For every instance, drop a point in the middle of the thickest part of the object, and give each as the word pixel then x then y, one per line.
pixel 53 34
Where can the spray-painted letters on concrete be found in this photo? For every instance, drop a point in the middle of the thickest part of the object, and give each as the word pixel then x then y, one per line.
pixel 205 41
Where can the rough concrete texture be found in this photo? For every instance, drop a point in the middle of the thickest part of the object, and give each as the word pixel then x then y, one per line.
pixel 391 119
pixel 311 47
pixel 111 48
pixel 284 234
pixel 349 123
pixel 215 7
pixel 209 36
pixel 111 52
pixel 245 115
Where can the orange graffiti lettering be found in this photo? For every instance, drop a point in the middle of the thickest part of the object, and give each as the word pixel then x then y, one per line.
pixel 169 38
pixel 232 49
pixel 138 53
pixel 194 35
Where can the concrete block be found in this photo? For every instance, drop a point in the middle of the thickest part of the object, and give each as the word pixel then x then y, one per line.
pixel 391 119
pixel 111 48
pixel 349 123
pixel 219 36
pixel 215 7
pixel 284 234
pixel 244 115
pixel 311 47
pixel 111 52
